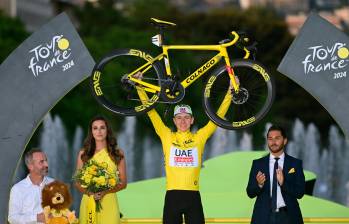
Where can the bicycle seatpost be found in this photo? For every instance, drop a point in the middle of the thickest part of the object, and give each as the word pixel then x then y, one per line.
pixel 162 34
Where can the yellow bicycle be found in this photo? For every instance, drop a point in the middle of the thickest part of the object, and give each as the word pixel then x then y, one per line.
pixel 114 83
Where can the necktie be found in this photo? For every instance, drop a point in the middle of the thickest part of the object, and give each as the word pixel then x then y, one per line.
pixel 274 187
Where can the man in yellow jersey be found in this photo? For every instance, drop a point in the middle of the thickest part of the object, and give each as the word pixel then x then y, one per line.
pixel 183 152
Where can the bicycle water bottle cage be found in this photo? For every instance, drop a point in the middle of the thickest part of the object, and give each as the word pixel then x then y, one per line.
pixel 161 24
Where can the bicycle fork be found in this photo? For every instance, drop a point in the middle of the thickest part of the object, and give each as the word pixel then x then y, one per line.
pixel 234 80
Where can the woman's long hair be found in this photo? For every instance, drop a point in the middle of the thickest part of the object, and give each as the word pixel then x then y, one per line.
pixel 90 143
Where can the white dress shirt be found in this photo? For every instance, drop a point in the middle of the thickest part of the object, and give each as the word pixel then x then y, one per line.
pixel 25 201
pixel 280 200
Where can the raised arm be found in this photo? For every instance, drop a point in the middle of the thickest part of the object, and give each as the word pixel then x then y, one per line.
pixel 160 128
pixel 210 127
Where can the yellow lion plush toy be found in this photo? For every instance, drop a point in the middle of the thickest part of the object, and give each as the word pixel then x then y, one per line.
pixel 56 200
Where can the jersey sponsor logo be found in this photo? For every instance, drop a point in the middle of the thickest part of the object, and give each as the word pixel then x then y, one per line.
pixel 189 141
pixel 186 143
pixel 183 157
pixel 176 144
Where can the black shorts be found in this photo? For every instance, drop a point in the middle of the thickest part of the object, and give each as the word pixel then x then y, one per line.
pixel 182 202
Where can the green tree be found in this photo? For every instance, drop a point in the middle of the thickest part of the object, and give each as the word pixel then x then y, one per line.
pixel 12 33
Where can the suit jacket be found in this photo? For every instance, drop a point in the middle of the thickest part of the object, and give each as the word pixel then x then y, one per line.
pixel 292 189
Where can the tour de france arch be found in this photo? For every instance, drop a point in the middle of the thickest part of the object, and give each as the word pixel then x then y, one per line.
pixel 54 60
pixel 318 60
pixel 43 69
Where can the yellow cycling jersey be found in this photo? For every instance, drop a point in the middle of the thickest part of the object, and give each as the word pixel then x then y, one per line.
pixel 183 150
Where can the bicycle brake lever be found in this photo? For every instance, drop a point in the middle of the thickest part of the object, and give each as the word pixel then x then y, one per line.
pixel 224 41
pixel 241 33
pixel 253 49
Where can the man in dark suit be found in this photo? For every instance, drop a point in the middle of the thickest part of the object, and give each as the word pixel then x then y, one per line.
pixel 277 180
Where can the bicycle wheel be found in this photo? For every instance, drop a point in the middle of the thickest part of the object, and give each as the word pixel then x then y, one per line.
pixel 115 91
pixel 250 104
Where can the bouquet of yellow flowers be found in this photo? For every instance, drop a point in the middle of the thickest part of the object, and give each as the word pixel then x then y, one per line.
pixel 95 177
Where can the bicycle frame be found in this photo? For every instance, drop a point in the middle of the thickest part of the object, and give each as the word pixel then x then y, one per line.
pixel 222 52
pixel 249 91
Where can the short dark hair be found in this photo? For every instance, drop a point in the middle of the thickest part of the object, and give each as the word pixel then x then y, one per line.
pixel 28 158
pixel 277 128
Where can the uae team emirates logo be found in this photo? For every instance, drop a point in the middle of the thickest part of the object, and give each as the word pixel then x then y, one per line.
pixel 184 157
pixel 55 53
pixel 332 59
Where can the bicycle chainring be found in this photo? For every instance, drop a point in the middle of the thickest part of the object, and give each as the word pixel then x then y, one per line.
pixel 172 91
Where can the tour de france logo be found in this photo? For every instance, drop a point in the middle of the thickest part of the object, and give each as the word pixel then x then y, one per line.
pixel 330 59
pixel 55 53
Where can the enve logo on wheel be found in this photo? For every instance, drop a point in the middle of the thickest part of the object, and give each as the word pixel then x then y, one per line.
pixel 244 123
pixel 96 87
pixel 262 71
pixel 140 54
pixel 209 86
pixel 147 104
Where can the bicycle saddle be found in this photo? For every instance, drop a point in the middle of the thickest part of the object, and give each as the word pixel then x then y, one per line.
pixel 161 23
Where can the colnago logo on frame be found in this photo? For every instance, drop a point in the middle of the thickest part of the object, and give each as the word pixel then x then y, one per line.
pixel 333 58
pixel 53 54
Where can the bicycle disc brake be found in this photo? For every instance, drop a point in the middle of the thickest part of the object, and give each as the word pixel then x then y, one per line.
pixel 241 96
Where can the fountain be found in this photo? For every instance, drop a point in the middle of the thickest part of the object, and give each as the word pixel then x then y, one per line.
pixel 126 140
pixel 53 142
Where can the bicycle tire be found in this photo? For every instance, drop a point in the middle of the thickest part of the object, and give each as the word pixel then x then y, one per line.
pixel 117 93
pixel 257 91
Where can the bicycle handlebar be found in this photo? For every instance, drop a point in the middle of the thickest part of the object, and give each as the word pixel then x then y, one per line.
pixel 241 40
pixel 224 43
